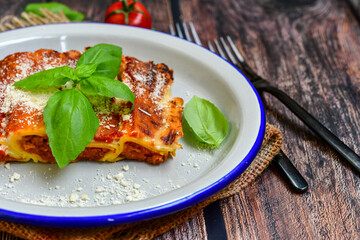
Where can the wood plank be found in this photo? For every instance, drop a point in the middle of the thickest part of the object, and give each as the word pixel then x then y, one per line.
pixel 309 49
pixel 94 10
pixel 14 7
pixel 193 229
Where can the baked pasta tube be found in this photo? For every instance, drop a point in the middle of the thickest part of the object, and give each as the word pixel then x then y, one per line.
pixel 150 133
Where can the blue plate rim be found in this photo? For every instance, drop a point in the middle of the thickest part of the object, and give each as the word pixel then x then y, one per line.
pixel 150 213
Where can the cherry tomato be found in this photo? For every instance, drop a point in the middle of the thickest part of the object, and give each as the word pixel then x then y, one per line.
pixel 128 12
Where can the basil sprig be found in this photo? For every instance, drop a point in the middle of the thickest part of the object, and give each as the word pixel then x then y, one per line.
pixel 71 124
pixel 54 7
pixel 206 122
pixel 70 121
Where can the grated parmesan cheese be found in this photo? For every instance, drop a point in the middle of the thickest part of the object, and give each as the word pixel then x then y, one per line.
pixel 73 197
pixel 126 117
pixel 119 176
pixel 14 177
pixel 84 197
pixel 160 83
pixel 28 100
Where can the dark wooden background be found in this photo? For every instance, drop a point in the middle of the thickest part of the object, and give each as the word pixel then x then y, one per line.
pixel 356 4
pixel 311 50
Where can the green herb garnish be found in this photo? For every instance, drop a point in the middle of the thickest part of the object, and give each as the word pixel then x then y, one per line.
pixel 54 7
pixel 70 121
pixel 71 124
pixel 206 122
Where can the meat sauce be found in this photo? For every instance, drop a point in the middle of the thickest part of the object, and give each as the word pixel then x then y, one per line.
pixel 140 153
pixel 40 146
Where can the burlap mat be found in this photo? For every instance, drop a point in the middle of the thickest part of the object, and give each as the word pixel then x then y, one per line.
pixel 142 230
pixel 30 19
pixel 150 229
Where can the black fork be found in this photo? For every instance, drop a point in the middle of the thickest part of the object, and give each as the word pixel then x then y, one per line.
pixel 281 161
pixel 263 85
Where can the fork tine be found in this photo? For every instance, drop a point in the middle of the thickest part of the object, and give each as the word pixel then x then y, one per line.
pixel 227 50
pixel 172 30
pixel 186 31
pixel 182 31
pixel 244 66
pixel 235 50
pixel 194 33
pixel 178 29
pixel 210 46
pixel 219 49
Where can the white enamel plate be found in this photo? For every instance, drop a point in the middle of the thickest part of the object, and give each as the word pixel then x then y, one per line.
pixel 87 194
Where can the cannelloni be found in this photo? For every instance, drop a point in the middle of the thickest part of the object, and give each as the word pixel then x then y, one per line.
pixel 149 133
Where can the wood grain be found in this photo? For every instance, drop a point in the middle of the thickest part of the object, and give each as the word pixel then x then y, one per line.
pixel 310 49
pixel 13 7
pixel 193 229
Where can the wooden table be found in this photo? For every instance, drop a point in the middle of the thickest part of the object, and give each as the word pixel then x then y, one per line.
pixel 311 50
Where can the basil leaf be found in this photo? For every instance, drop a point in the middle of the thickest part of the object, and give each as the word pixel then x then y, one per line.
pixel 106 56
pixel 54 7
pixel 107 87
pixel 70 124
pixel 69 74
pixel 54 77
pixel 206 121
pixel 85 70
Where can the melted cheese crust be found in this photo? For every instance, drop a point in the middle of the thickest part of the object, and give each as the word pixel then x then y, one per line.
pixel 149 133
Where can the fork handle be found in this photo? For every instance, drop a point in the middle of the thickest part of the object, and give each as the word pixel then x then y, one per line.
pixel 289 172
pixel 349 155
